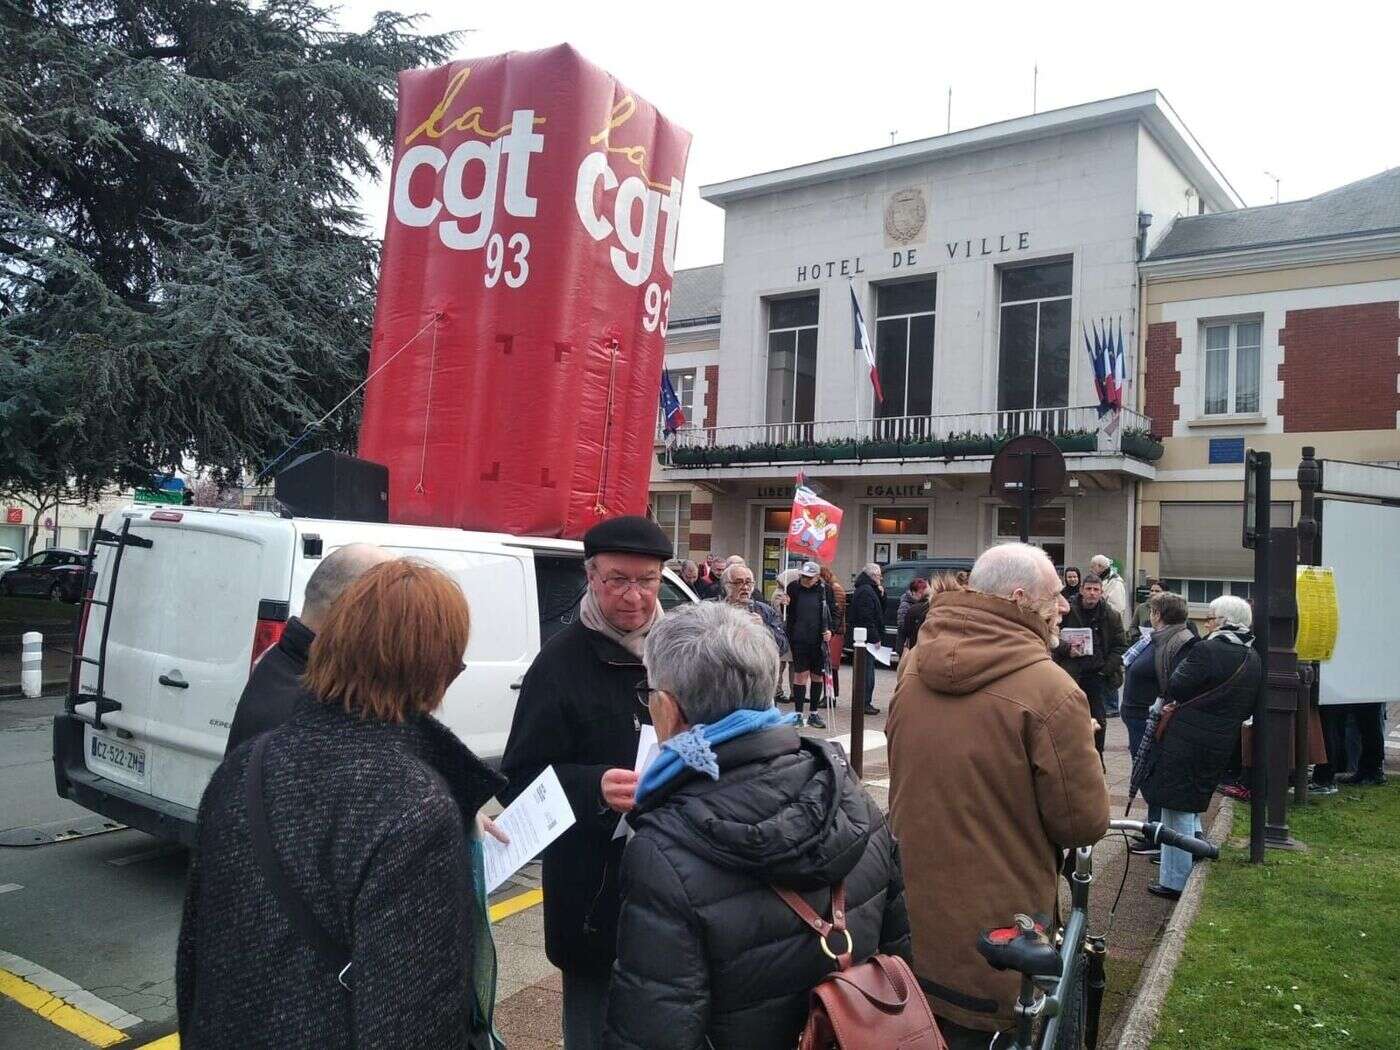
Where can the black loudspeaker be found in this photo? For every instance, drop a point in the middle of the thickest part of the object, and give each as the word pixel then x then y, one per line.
pixel 333 485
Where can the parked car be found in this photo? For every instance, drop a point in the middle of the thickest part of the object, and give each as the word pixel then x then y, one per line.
pixel 56 574
pixel 898 576
pixel 201 593
pixel 9 558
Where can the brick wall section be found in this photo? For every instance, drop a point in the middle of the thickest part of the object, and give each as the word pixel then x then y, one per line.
pixel 711 394
pixel 1151 538
pixel 699 544
pixel 1339 369
pixel 701 511
pixel 1162 377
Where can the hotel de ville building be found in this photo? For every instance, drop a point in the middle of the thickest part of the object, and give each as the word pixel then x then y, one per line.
pixel 981 261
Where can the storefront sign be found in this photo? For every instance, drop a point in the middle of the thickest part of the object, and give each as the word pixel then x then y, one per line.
pixel 14 516
pixel 908 258
pixel 888 491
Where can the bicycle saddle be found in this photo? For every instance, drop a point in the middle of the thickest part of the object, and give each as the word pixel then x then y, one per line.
pixel 1023 947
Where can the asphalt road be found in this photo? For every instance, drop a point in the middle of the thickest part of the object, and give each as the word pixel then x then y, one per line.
pixel 101 908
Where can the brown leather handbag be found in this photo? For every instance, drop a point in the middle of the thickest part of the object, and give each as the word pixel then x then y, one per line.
pixel 874 1005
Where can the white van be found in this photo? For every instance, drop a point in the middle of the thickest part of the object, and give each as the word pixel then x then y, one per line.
pixel 200 594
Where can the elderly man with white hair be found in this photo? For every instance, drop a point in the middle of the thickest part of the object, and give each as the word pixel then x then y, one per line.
pixel 1212 689
pixel 992 772
pixel 1115 591
pixel 738 593
pixel 736 805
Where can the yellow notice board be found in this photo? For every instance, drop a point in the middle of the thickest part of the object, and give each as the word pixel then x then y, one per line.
pixel 1317 613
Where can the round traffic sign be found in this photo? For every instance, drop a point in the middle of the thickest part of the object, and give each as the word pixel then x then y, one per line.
pixel 1032 457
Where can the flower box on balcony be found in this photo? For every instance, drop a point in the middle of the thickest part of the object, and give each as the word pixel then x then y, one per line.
pixel 1077 441
pixel 1141 445
pixel 831 451
pixel 878 450
pixel 968 445
pixel 930 449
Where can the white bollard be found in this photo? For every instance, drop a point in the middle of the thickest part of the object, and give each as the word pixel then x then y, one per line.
pixel 31 664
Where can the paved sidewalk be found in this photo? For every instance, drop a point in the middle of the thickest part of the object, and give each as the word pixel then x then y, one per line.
pixel 529 1019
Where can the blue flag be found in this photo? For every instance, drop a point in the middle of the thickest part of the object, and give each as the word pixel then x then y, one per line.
pixel 672 415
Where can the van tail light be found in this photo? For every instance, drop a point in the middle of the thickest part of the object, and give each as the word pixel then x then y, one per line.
pixel 265 635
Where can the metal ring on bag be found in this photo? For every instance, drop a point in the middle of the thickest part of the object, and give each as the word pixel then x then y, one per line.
pixel 850 946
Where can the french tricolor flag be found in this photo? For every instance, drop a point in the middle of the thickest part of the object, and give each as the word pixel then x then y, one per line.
pixel 862 344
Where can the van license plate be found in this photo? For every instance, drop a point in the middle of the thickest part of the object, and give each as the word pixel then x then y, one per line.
pixel 108 752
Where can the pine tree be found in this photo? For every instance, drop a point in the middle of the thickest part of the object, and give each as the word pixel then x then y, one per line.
pixel 183 273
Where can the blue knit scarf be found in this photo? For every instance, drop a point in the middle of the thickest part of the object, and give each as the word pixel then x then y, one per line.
pixel 693 749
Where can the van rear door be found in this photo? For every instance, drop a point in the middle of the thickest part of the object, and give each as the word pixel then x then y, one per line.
pixel 179 651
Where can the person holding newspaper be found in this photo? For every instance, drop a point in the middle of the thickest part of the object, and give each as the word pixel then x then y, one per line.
pixel 1091 649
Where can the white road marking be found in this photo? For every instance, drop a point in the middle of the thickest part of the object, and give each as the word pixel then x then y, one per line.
pixel 871 739
pixel 10 887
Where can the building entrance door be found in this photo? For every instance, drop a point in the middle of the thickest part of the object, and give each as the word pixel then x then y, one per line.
pixel 775 532
pixel 897 533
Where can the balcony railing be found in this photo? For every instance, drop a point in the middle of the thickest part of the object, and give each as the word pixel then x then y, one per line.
pixel 909 437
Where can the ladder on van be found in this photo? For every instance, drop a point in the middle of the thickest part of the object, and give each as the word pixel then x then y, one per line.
pixel 102 703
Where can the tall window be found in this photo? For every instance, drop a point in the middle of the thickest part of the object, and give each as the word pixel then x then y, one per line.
pixel 1034 358
pixel 683 382
pixel 792 360
pixel 1232 368
pixel 904 347
pixel 671 510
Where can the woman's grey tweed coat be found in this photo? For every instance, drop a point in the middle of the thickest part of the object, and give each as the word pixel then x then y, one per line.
pixel 377 846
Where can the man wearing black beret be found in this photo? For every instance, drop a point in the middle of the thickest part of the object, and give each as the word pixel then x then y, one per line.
pixel 578 712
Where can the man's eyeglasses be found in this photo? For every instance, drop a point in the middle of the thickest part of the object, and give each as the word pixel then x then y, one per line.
pixel 618 585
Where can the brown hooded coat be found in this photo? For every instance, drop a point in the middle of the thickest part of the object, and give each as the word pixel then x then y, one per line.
pixel 992 771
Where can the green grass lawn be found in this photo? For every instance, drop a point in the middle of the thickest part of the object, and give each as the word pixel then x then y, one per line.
pixel 1303 951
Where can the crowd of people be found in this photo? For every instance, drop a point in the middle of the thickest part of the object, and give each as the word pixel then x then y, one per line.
pixel 338 892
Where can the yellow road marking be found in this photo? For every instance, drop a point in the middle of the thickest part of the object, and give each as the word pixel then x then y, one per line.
pixel 170 1042
pixel 56 1011
pixel 512 905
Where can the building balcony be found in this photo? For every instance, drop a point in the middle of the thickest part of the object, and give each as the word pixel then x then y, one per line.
pixel 946 444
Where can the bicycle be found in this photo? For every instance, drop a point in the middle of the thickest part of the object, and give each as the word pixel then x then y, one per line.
pixel 1063 986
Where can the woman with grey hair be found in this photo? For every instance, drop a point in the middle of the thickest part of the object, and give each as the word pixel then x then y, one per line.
pixel 736 804
pixel 1209 695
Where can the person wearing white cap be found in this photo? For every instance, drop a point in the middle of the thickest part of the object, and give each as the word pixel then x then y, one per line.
pixel 808 623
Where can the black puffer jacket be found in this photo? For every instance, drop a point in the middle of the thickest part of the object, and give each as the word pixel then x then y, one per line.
pixel 376 846
pixel 868 610
pixel 1187 763
pixel 578 712
pixel 708 955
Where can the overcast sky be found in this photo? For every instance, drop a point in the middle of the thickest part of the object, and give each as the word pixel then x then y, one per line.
pixel 1310 96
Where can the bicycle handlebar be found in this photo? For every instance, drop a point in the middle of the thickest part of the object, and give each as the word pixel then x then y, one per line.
pixel 1161 835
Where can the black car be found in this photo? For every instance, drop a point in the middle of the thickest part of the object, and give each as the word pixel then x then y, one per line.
pixel 898 576
pixel 56 573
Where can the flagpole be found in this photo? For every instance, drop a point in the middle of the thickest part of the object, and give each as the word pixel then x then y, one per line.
pixel 851 284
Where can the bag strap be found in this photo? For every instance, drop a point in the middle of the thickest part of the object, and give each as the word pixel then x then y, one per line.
pixel 294 906
pixel 823 929
pixel 1218 688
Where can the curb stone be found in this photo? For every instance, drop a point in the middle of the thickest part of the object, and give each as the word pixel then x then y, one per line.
pixel 1146 1008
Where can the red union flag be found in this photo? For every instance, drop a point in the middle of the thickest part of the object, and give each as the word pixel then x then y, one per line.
pixel 523 295
pixel 816 526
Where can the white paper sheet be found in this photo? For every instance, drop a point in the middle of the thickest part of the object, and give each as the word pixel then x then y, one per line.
pixel 1079 639
pixel 539 816
pixel 648 747
pixel 883 653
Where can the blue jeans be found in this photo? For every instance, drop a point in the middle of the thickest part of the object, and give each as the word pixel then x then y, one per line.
pixel 1135 727
pixel 1176 863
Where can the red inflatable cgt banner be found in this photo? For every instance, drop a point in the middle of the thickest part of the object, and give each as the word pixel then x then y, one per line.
pixel 523 295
